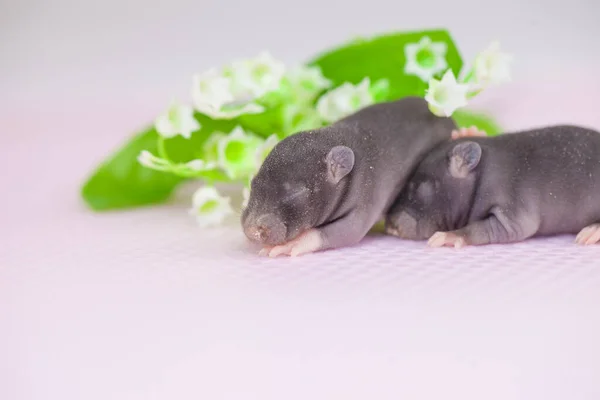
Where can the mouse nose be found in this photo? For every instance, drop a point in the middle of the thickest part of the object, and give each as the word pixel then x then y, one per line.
pixel 267 229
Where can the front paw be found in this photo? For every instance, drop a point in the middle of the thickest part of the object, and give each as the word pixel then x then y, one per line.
pixel 392 231
pixel 440 239
pixel 401 225
pixel 588 235
pixel 308 242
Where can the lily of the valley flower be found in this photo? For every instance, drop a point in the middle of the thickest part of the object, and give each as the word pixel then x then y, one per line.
pixel 177 120
pixel 425 58
pixel 298 117
pixel 344 100
pixel 235 89
pixel 236 153
pixel 211 146
pixel 200 165
pixel 257 76
pixel 209 207
pixel 492 66
pixel 306 82
pixel 447 95
pixel 264 149
pixel 212 95
pixel 149 160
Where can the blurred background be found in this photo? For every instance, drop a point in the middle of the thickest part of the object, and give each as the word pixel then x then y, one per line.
pixel 142 304
pixel 56 52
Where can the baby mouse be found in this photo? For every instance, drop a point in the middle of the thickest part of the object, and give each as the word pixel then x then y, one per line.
pixel 326 188
pixel 477 191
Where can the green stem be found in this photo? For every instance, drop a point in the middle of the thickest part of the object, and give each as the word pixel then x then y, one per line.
pixel 157 167
pixel 184 172
pixel 162 150
pixel 474 93
pixel 469 77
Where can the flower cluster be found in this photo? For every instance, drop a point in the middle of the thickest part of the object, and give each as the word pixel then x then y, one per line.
pixel 237 89
pixel 427 60
pixel 302 96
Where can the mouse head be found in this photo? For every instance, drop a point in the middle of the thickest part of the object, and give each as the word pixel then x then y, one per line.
pixel 295 188
pixel 439 193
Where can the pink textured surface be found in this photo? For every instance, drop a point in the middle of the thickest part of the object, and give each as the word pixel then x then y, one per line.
pixel 144 305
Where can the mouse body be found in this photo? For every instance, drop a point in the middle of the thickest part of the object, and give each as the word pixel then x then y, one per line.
pixel 327 187
pixel 507 188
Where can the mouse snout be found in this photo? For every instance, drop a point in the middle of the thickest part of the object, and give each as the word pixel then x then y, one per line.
pixel 267 229
pixel 402 225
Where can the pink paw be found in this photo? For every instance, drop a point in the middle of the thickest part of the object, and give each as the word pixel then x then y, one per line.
pixel 440 239
pixel 589 235
pixel 308 242
pixel 467 132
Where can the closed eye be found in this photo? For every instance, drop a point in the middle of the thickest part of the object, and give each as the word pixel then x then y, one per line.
pixel 295 195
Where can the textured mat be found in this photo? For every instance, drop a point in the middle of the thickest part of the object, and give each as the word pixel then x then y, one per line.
pixel 144 305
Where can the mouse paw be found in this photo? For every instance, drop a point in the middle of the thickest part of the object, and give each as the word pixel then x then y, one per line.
pixel 392 231
pixel 307 242
pixel 589 235
pixel 440 239
pixel 467 132
pixel 265 251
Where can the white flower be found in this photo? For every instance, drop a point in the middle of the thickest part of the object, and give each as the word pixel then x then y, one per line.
pixel 425 59
pixel 209 207
pixel 445 96
pixel 200 165
pixel 265 148
pixel 256 77
pixel 300 117
pixel 210 147
pixel 307 82
pixel 236 153
pixel 492 66
pixel 211 87
pixel 149 160
pixel 177 120
pixel 344 100
pixel 212 95
pixel 235 89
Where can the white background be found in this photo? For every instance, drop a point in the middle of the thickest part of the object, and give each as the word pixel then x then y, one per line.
pixel 73 50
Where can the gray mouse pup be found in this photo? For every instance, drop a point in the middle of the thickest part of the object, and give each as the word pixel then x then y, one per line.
pixel 326 188
pixel 477 191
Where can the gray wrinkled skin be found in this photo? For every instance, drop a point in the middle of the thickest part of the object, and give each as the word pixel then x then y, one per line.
pixel 532 183
pixel 297 186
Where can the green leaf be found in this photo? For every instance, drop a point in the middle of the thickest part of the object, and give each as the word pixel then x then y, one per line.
pixel 465 119
pixel 382 57
pixel 264 124
pixel 121 182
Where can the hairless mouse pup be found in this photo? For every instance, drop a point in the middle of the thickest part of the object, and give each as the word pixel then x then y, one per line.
pixel 326 188
pixel 477 191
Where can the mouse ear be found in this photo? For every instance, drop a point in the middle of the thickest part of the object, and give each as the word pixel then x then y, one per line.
pixel 464 157
pixel 340 161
